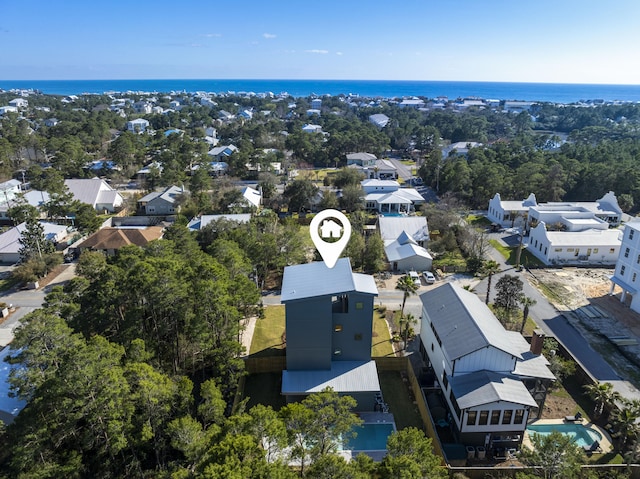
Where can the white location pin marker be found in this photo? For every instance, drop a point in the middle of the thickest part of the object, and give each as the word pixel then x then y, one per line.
pixel 323 227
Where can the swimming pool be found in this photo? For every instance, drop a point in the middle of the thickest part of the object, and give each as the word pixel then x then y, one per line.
pixel 582 435
pixel 371 437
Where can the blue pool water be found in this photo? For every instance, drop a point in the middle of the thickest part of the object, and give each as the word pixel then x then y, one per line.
pixel 583 436
pixel 371 437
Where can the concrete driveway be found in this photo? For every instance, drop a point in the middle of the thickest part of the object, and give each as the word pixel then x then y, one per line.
pixel 26 301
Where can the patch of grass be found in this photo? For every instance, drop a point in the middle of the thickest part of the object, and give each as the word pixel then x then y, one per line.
pixel 264 389
pixel 571 387
pixel 529 327
pixel 8 283
pixel 381 341
pixel 510 252
pixel 397 395
pixel 477 221
pixel 268 335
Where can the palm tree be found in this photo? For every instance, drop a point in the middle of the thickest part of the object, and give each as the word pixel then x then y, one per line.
pixel 489 268
pixel 408 287
pixel 406 324
pixel 526 302
pixel 625 421
pixel 603 395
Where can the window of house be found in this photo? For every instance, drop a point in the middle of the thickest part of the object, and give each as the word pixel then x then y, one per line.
pixel 359 305
pixel 519 417
pixel 337 328
pixel 495 417
pixel 626 252
pixel 612 250
pixel 506 416
pixel 638 259
pixel 357 337
pixel 595 250
pixel 471 418
pixel 432 348
pixel 558 250
pixel 445 381
pixel 454 403
pixel 570 250
pixel 484 417
pixel 622 268
pixel 633 278
pixel 631 233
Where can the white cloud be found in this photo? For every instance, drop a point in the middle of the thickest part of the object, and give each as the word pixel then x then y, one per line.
pixel 339 54
pixel 212 35
pixel 322 52
pixel 269 36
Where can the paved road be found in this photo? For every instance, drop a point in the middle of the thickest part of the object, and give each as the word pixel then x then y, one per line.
pixel 555 324
pixel 25 301
pixel 404 171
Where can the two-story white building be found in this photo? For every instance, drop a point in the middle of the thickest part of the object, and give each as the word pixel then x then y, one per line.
pixel 491 379
pixel 139 125
pixel 386 197
pixel 627 273
pixel 509 213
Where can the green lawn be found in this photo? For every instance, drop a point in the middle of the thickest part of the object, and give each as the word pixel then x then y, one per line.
pixel 397 395
pixel 268 335
pixel 381 342
pixel 8 283
pixel 264 389
pixel 509 253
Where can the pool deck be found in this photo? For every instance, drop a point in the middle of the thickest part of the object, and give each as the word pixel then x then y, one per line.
pixel 605 443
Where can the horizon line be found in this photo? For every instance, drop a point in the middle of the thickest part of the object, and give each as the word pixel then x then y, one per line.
pixel 322 80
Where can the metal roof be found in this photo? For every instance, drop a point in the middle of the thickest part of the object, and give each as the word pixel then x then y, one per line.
pixel 343 377
pixel 486 387
pixel 464 323
pixel 391 227
pixel 316 279
pixel 396 251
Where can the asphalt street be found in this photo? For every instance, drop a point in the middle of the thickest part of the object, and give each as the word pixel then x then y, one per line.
pixel 25 301
pixel 555 324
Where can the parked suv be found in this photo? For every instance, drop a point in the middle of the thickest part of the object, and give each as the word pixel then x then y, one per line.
pixel 415 277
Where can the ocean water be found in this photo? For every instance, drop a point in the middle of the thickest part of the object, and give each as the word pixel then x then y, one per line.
pixel 549 92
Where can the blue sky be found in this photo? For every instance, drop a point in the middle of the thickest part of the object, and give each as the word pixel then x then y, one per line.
pixel 565 41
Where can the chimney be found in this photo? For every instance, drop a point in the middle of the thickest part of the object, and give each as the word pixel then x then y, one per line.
pixel 537 341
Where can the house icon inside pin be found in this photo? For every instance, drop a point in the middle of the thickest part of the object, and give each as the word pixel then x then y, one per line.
pixel 330 229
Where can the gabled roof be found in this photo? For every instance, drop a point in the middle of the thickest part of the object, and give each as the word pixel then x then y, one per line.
pixel 201 221
pixel 253 196
pixel 486 387
pixel 93 191
pixel 464 323
pixel 10 240
pixel 316 279
pixel 116 238
pixel 396 251
pixel 362 156
pixel 391 227
pixel 169 195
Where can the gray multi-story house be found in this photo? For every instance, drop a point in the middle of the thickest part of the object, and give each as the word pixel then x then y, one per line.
pixel 329 314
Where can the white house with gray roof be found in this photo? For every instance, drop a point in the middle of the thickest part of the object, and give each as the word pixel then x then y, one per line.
pixel 405 240
pixel 491 379
pixel 95 192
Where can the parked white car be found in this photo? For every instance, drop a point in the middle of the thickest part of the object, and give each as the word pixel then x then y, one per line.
pixel 415 277
pixel 429 277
